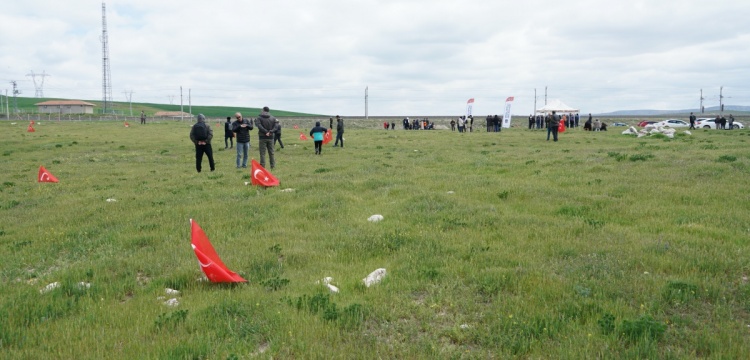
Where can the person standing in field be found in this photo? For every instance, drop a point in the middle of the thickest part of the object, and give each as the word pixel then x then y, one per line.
pixel 317 133
pixel 552 124
pixel 597 125
pixel 267 126
pixel 201 135
pixel 277 135
pixel 731 122
pixel 496 123
pixel 228 134
pixel 330 122
pixel 339 131
pixel 692 121
pixel 143 117
pixel 242 127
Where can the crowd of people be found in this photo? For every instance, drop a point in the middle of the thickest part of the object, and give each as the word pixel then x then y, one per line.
pixel 417 124
pixel 237 133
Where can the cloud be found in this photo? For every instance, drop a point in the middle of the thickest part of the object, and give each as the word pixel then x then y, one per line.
pixel 415 58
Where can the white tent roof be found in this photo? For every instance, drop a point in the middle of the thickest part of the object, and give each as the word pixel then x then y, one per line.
pixel 557 106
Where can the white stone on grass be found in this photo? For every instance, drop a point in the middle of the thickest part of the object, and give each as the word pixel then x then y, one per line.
pixel 111 200
pixel 375 218
pixel 169 291
pixel 288 190
pixel 333 289
pixel 84 285
pixel 50 287
pixel 451 192
pixel 374 277
pixel 172 302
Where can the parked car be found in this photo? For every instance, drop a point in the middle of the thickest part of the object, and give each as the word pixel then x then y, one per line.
pixel 644 123
pixel 619 124
pixel 673 123
pixel 708 123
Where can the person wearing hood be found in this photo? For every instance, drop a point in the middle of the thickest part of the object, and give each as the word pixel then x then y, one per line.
pixel 267 126
pixel 339 131
pixel 201 135
pixel 317 133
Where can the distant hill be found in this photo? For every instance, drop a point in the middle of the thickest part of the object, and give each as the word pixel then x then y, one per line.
pixel 710 109
pixel 26 105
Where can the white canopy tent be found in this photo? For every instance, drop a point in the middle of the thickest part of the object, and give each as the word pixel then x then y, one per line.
pixel 557 106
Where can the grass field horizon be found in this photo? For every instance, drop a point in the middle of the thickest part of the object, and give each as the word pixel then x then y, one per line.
pixel 496 245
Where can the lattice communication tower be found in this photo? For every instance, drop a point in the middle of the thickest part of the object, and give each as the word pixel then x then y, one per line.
pixel 106 75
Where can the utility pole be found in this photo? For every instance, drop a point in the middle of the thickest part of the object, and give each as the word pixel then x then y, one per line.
pixel 39 87
pixel 15 93
pixel 366 88
pixel 545 95
pixel 534 101
pixel 130 100
pixel 190 102
pixel 702 108
pixel 7 112
pixel 182 112
pixel 721 100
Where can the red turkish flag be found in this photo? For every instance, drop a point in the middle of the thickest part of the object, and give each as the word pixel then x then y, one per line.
pixel 30 129
pixel 327 137
pixel 296 127
pixel 208 259
pixel 126 124
pixel 302 136
pixel 561 127
pixel 45 176
pixel 261 176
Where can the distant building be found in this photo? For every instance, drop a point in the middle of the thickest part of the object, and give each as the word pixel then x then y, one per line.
pixel 65 107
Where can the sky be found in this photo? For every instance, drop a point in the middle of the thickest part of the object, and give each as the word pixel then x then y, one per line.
pixel 404 57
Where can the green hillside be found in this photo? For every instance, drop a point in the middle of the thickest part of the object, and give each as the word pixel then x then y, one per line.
pixel 26 105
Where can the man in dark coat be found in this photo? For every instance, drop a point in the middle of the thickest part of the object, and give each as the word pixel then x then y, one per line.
pixel 242 127
pixel 228 134
pixel 201 135
pixel 339 131
pixel 267 127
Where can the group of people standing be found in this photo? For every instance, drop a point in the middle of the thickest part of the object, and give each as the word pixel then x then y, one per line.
pixel 720 121
pixel 269 132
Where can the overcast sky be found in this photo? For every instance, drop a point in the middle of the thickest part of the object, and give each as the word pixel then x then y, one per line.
pixel 415 57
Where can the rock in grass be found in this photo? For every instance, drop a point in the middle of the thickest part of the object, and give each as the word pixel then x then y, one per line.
pixel 169 291
pixel 50 287
pixel 333 289
pixel 374 277
pixel 375 218
pixel 172 302
pixel 288 190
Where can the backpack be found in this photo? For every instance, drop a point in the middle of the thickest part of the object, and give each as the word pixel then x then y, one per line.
pixel 200 132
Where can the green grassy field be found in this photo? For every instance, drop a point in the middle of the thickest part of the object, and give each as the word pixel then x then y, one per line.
pixel 497 245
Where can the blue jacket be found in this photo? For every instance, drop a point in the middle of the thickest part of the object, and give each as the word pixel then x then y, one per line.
pixel 318 132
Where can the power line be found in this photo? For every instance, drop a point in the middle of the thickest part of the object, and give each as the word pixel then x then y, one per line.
pixel 40 86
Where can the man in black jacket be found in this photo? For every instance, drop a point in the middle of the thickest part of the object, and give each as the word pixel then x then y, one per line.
pixel 242 127
pixel 201 135
pixel 339 131
pixel 267 127
pixel 228 134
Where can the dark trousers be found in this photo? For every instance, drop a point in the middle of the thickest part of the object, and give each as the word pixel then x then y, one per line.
pixel 266 145
pixel 318 146
pixel 339 136
pixel 552 130
pixel 231 141
pixel 277 138
pixel 199 151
